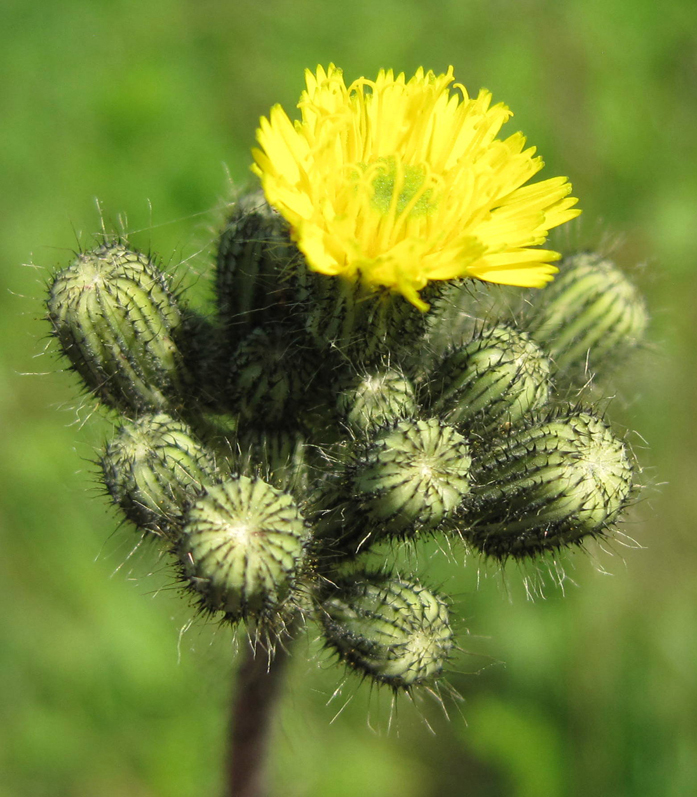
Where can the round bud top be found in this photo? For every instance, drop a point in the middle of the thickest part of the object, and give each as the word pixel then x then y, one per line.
pixel 376 399
pixel 393 630
pixel 548 486
pixel 278 455
pixel 496 378
pixel 243 544
pixel 413 476
pixel 115 317
pixel 590 314
pixel 253 251
pixel 152 468
pixel 268 376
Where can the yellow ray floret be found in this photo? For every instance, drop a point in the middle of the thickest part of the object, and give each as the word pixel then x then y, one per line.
pixel 397 182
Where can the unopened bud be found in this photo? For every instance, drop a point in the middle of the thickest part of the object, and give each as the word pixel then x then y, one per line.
pixel 116 319
pixel 412 476
pixel 590 315
pixel 243 544
pixel 152 468
pixel 253 252
pixel 376 399
pixel 495 379
pixel 279 455
pixel 390 629
pixel 269 375
pixel 548 486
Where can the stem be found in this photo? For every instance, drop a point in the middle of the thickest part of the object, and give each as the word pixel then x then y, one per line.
pixel 256 694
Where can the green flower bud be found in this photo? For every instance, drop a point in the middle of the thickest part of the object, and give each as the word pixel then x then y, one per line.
pixel 243 546
pixel 548 486
pixel 254 251
pixel 278 455
pixel 496 378
pixel 116 319
pixel 269 376
pixel 590 315
pixel 412 476
pixel 152 468
pixel 376 399
pixel 393 630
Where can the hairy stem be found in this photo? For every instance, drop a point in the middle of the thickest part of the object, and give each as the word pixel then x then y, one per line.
pixel 256 694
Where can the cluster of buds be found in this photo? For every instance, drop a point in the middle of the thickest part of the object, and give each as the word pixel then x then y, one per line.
pixel 269 447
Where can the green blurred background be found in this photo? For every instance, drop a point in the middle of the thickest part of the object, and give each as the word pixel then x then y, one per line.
pixel 151 108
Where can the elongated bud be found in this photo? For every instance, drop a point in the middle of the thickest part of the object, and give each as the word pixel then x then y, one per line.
pixel 269 376
pixel 393 630
pixel 152 468
pixel 243 545
pixel 412 476
pixel 279 455
pixel 254 251
pixel 377 398
pixel 548 486
pixel 589 316
pixel 496 378
pixel 116 319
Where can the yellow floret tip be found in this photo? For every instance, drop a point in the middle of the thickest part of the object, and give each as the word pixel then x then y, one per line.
pixel 399 182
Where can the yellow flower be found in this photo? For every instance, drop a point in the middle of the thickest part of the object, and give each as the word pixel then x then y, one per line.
pixel 398 182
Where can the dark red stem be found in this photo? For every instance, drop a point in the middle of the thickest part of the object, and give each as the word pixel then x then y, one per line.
pixel 256 694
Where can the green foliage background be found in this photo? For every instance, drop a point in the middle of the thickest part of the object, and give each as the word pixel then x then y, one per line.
pixel 148 107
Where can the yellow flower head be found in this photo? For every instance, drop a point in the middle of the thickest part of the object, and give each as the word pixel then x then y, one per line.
pixel 398 182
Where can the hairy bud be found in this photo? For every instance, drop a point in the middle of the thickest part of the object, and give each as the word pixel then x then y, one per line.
pixel 548 486
pixel 152 468
pixel 496 378
pixel 268 376
pixel 116 319
pixel 412 476
pixel 390 629
pixel 376 399
pixel 589 316
pixel 243 544
pixel 279 455
pixel 254 250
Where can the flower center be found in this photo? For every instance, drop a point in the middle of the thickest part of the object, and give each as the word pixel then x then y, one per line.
pixel 399 188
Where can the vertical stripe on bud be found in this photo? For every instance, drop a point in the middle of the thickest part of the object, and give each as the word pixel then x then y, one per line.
pixel 496 378
pixel 548 486
pixel 279 455
pixel 364 323
pixel 152 468
pixel 116 319
pixel 254 251
pixel 590 315
pixel 412 476
pixel 393 630
pixel 268 376
pixel 243 544
pixel 377 398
